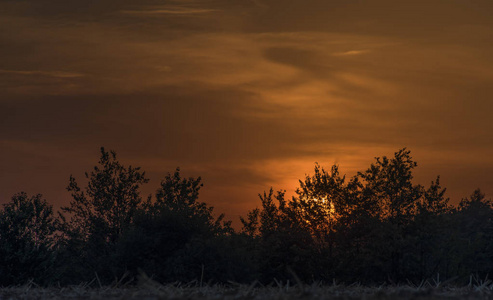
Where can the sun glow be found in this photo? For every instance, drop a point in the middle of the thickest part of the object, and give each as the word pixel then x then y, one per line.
pixel 327 204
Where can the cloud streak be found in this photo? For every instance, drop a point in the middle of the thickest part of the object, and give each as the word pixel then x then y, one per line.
pixel 169 9
pixel 351 52
pixel 57 74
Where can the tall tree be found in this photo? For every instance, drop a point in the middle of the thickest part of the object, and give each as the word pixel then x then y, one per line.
pixel 97 218
pixel 388 182
pixel 27 228
pixel 431 231
pixel 473 220
pixel 285 242
pixel 175 234
pixel 107 204
pixel 320 203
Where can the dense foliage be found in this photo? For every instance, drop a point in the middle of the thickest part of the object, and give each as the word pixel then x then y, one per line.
pixel 375 227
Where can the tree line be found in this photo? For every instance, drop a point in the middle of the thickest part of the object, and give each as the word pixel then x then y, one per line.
pixel 377 226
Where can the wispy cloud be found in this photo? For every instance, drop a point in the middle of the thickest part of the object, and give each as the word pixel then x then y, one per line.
pixel 57 74
pixel 169 9
pixel 351 52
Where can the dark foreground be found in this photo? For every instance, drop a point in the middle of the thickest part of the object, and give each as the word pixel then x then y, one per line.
pixel 152 290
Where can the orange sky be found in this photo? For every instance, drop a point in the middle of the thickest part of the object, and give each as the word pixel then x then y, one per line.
pixel 247 94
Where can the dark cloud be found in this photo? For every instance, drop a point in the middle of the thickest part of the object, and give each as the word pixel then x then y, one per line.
pixel 415 19
pixel 199 126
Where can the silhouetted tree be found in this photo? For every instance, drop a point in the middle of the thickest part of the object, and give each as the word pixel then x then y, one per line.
pixel 27 228
pixel 99 214
pixel 388 182
pixel 251 223
pixel 175 235
pixel 358 225
pixel 473 221
pixel 422 239
pixel 377 226
pixel 430 231
pixel 320 203
pixel 285 243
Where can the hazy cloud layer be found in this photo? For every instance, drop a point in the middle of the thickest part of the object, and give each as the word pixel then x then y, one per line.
pixel 247 94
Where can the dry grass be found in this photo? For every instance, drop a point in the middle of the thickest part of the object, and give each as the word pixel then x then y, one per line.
pixel 147 289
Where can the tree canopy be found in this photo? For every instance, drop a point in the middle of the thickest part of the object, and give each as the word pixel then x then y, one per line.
pixel 377 226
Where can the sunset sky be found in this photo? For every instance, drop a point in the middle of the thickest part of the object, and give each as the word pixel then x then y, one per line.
pixel 248 94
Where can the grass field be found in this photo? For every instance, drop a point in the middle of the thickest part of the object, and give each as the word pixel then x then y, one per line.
pixel 149 289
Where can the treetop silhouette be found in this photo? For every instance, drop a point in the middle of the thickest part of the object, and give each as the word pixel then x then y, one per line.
pixel 377 226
